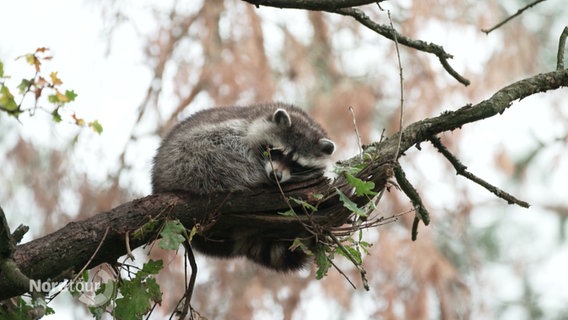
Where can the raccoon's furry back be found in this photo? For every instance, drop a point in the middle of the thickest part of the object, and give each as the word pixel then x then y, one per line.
pixel 221 149
pixel 232 149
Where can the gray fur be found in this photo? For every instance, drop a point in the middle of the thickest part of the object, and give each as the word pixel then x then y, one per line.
pixel 233 149
pixel 220 149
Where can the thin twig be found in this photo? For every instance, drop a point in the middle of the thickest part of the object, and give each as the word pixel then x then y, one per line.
pixel 128 250
pixel 80 273
pixel 287 200
pixel 400 74
pixel 357 265
pixel 461 170
pixel 92 256
pixel 356 132
pixel 382 192
pixel 519 12
pixel 342 273
pixel 189 290
pixel 561 48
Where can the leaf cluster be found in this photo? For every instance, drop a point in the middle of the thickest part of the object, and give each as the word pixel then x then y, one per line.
pixel 138 294
pixel 43 89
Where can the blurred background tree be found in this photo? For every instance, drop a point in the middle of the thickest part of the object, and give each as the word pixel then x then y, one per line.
pixel 478 259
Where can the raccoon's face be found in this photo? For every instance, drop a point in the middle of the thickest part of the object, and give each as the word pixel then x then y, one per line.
pixel 293 147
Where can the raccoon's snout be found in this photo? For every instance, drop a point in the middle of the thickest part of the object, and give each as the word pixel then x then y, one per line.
pixel 276 175
pixel 277 171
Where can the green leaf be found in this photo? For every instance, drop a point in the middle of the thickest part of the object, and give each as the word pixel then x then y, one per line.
pixel 355 254
pixel 49 310
pixel 299 244
pixel 154 290
pixel 24 85
pixel 1 69
pixel 55 115
pixel 364 245
pixel 352 169
pixel 362 188
pixel 289 213
pixel 148 227
pixel 352 206
pixel 192 233
pixel 139 293
pixel 133 305
pixel 71 95
pixel 153 267
pixel 52 98
pixel 305 204
pixel 98 312
pixel 85 275
pixel 96 126
pixel 7 99
pixel 322 262
pixel 172 235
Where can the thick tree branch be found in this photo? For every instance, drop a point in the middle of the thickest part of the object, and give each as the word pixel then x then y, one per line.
pixel 322 5
pixel 72 247
pixel 422 130
pixel 422 213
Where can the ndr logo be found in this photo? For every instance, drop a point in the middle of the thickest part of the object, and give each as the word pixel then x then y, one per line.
pixel 87 290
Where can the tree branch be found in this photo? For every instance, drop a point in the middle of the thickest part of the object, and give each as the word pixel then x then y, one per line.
pixel 322 5
pixel 389 33
pixel 497 104
pixel 461 169
pixel 422 213
pixel 72 247
pixel 561 49
pixel 346 8
pixel 518 13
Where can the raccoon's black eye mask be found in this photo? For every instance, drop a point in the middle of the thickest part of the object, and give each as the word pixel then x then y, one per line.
pixel 277 155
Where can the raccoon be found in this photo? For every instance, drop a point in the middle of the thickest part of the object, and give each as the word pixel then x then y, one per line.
pixel 223 150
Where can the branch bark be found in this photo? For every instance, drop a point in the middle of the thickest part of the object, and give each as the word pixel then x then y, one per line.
pixel 72 247
pixel 311 4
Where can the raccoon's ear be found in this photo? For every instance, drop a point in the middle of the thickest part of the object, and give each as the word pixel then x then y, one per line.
pixel 282 118
pixel 326 146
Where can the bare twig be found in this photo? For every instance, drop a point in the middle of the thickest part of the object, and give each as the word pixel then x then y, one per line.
pixel 186 308
pixel 518 13
pixel 92 256
pixel 356 132
pixel 342 273
pixel 389 33
pixel 357 265
pixel 461 170
pixel 561 49
pixel 400 75
pixel 127 243
pixel 19 233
